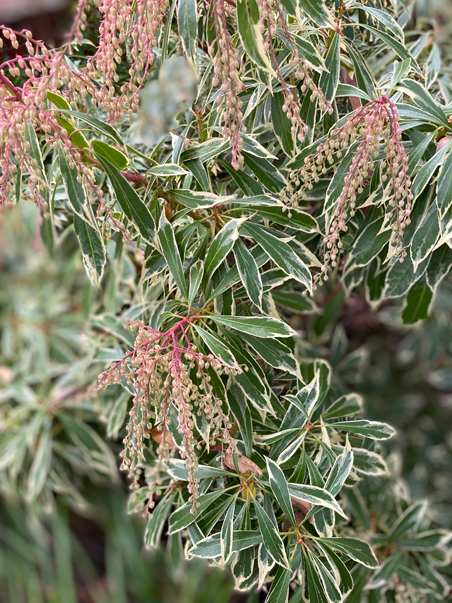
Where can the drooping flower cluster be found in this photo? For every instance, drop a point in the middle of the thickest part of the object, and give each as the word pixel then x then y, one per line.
pixel 372 125
pixel 271 17
pixel 227 68
pixel 171 377
pixel 24 111
pixel 128 29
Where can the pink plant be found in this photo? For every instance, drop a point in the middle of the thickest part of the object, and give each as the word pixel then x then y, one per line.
pixel 169 375
pixel 375 123
pixel 227 68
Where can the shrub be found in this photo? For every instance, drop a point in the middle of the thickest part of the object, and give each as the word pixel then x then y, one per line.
pixel 306 161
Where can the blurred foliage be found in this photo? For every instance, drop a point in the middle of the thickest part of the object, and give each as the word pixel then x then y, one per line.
pixel 64 533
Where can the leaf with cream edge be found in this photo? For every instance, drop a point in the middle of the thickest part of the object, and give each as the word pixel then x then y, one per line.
pixel 356 549
pixel 217 347
pixel 249 273
pixel 221 246
pixel 280 489
pixel 271 537
pixel 281 254
pixel 316 496
pixel 171 253
pixel 131 204
pixel 367 429
pixel 258 326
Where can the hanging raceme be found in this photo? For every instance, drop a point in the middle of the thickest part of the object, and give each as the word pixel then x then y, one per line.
pixel 170 376
pixel 372 125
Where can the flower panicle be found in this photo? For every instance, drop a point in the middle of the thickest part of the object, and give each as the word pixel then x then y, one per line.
pixel 272 17
pixel 227 70
pixel 375 123
pixel 170 377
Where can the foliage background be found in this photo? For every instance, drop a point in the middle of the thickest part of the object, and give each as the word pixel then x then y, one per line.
pixel 87 549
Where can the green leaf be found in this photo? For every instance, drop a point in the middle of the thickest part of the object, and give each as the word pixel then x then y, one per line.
pixel 209 548
pixel 291 449
pixel 280 489
pixel 171 253
pixel 196 275
pixel 344 406
pixel 182 517
pixel 346 580
pixel 155 524
pixel 316 496
pixel 424 100
pixel 198 199
pixel 98 124
pixel 259 326
pixel 439 265
pixel 281 253
pixel 187 19
pixel 271 537
pixel 90 240
pixel 40 467
pixel 425 236
pixel 274 352
pixel 425 541
pixel 167 169
pixel 131 204
pixel 356 549
pixel 401 276
pixel 75 192
pixel 265 172
pixel 417 303
pixel 227 534
pixel 281 124
pixel 408 521
pixel 242 415
pixel 391 42
pixel 279 590
pixel 401 68
pixel 327 579
pixel 249 272
pixel 178 470
pixel 367 429
pixel 205 151
pixel 383 17
pixel 58 101
pixel 427 170
pixel 347 90
pixel 367 245
pixel 293 218
pixel 444 189
pixel 317 11
pixel 369 462
pixel 115 157
pixel 217 347
pixel 252 382
pixel 76 137
pixel 221 246
pixel 386 570
pixel 340 471
pixel 92 247
pixel 250 34
pixel 306 50
pixel 306 399
pixel 363 76
pixel 329 79
pixel 294 300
